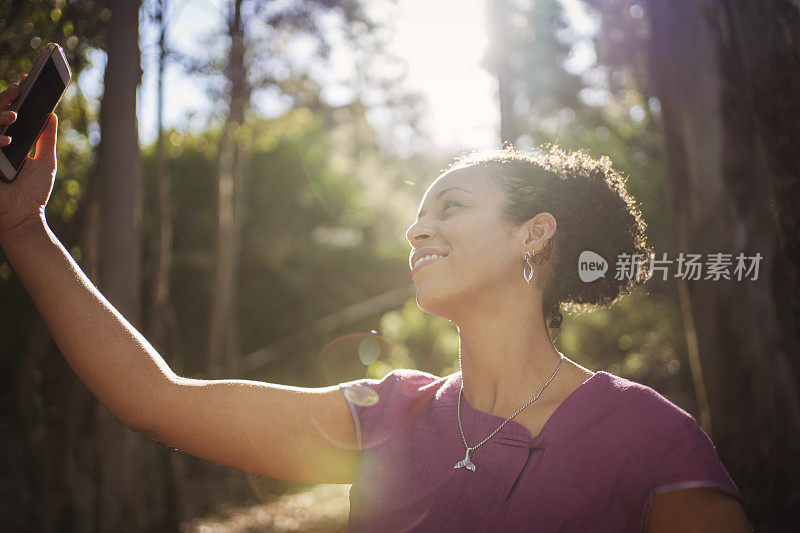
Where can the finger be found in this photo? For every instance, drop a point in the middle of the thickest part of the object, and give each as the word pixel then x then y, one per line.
pixel 7 117
pixel 9 95
pixel 5 140
pixel 11 92
pixel 46 143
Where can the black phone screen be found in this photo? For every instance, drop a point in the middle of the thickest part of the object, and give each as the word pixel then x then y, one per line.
pixel 32 114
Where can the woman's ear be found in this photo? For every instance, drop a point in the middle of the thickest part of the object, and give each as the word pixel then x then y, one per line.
pixel 538 230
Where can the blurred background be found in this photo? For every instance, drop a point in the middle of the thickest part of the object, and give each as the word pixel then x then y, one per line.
pixel 237 178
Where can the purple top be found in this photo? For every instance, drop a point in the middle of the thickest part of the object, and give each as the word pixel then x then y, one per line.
pixel 597 463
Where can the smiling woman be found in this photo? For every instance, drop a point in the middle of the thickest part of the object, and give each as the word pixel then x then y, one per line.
pixel 589 203
pixel 589 452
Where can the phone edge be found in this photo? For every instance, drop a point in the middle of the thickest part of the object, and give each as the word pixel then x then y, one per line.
pixel 49 51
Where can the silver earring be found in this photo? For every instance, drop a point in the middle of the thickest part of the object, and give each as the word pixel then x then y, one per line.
pixel 528 276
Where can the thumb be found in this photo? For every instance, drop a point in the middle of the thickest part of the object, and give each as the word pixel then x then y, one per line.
pixel 46 143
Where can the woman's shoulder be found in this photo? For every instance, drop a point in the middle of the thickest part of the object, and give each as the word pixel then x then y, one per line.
pixel 395 384
pixel 380 405
pixel 648 432
pixel 636 409
pixel 631 396
pixel 403 377
pixel 411 375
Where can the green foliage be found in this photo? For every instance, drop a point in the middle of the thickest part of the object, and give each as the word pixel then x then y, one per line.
pixel 77 25
pixel 430 341
pixel 525 45
pixel 639 338
pixel 302 257
pixel 24 28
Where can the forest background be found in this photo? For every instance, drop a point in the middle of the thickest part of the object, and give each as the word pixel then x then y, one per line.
pixel 272 246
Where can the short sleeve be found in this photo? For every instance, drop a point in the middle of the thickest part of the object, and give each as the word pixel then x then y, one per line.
pixel 690 460
pixel 378 405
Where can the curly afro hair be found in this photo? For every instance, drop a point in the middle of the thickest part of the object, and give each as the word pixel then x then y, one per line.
pixel 593 211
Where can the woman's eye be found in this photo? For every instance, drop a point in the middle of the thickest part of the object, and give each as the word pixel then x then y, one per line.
pixel 450 204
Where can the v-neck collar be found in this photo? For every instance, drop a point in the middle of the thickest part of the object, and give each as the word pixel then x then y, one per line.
pixel 518 428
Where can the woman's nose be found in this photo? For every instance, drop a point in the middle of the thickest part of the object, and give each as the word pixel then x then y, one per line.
pixel 419 230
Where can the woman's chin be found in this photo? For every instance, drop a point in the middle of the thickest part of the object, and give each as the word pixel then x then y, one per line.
pixel 434 302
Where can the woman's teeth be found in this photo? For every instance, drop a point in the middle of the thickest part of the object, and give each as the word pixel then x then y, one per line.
pixel 427 257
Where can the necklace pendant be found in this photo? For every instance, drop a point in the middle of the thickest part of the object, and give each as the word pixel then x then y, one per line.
pixel 466 463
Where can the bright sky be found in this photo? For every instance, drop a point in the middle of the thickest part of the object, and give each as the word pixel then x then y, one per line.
pixel 443 42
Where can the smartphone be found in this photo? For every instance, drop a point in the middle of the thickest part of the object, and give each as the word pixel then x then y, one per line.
pixel 38 96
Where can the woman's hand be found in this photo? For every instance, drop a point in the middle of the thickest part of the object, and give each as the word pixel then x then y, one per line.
pixel 25 198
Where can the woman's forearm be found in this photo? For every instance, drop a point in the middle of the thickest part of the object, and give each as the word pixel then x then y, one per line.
pixel 111 358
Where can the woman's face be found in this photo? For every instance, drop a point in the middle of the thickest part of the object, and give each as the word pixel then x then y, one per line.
pixel 459 217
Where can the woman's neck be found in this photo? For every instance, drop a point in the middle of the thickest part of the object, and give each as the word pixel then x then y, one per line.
pixel 505 360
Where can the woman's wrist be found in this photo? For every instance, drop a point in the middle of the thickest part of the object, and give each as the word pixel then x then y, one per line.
pixel 20 232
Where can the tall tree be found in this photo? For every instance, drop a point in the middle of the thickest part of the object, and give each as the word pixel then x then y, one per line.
pixel 161 314
pixel 720 78
pixel 501 64
pixel 260 57
pixel 526 56
pixel 163 310
pixel 162 324
pixel 728 75
pixel 119 505
pixel 223 351
pixel 42 457
pixel 725 75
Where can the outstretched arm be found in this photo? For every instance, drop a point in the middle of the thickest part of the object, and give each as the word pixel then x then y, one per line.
pixel 284 432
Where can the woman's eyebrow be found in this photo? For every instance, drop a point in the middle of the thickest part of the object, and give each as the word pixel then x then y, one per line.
pixel 439 195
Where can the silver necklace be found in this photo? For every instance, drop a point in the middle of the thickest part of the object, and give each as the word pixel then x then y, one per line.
pixel 466 462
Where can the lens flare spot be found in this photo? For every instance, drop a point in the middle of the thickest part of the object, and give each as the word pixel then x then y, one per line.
pixel 361 395
pixel 369 349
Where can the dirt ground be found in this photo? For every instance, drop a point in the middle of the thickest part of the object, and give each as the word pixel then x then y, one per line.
pixel 322 508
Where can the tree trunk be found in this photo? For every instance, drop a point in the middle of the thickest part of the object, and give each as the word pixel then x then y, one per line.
pixel 728 75
pixel 119 505
pixel 500 62
pixel 169 462
pixel 223 351
pixel 161 289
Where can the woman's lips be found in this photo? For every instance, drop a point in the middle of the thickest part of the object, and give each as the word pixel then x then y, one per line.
pixel 425 262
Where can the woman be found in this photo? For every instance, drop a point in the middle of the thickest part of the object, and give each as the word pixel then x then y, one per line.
pixel 588 451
